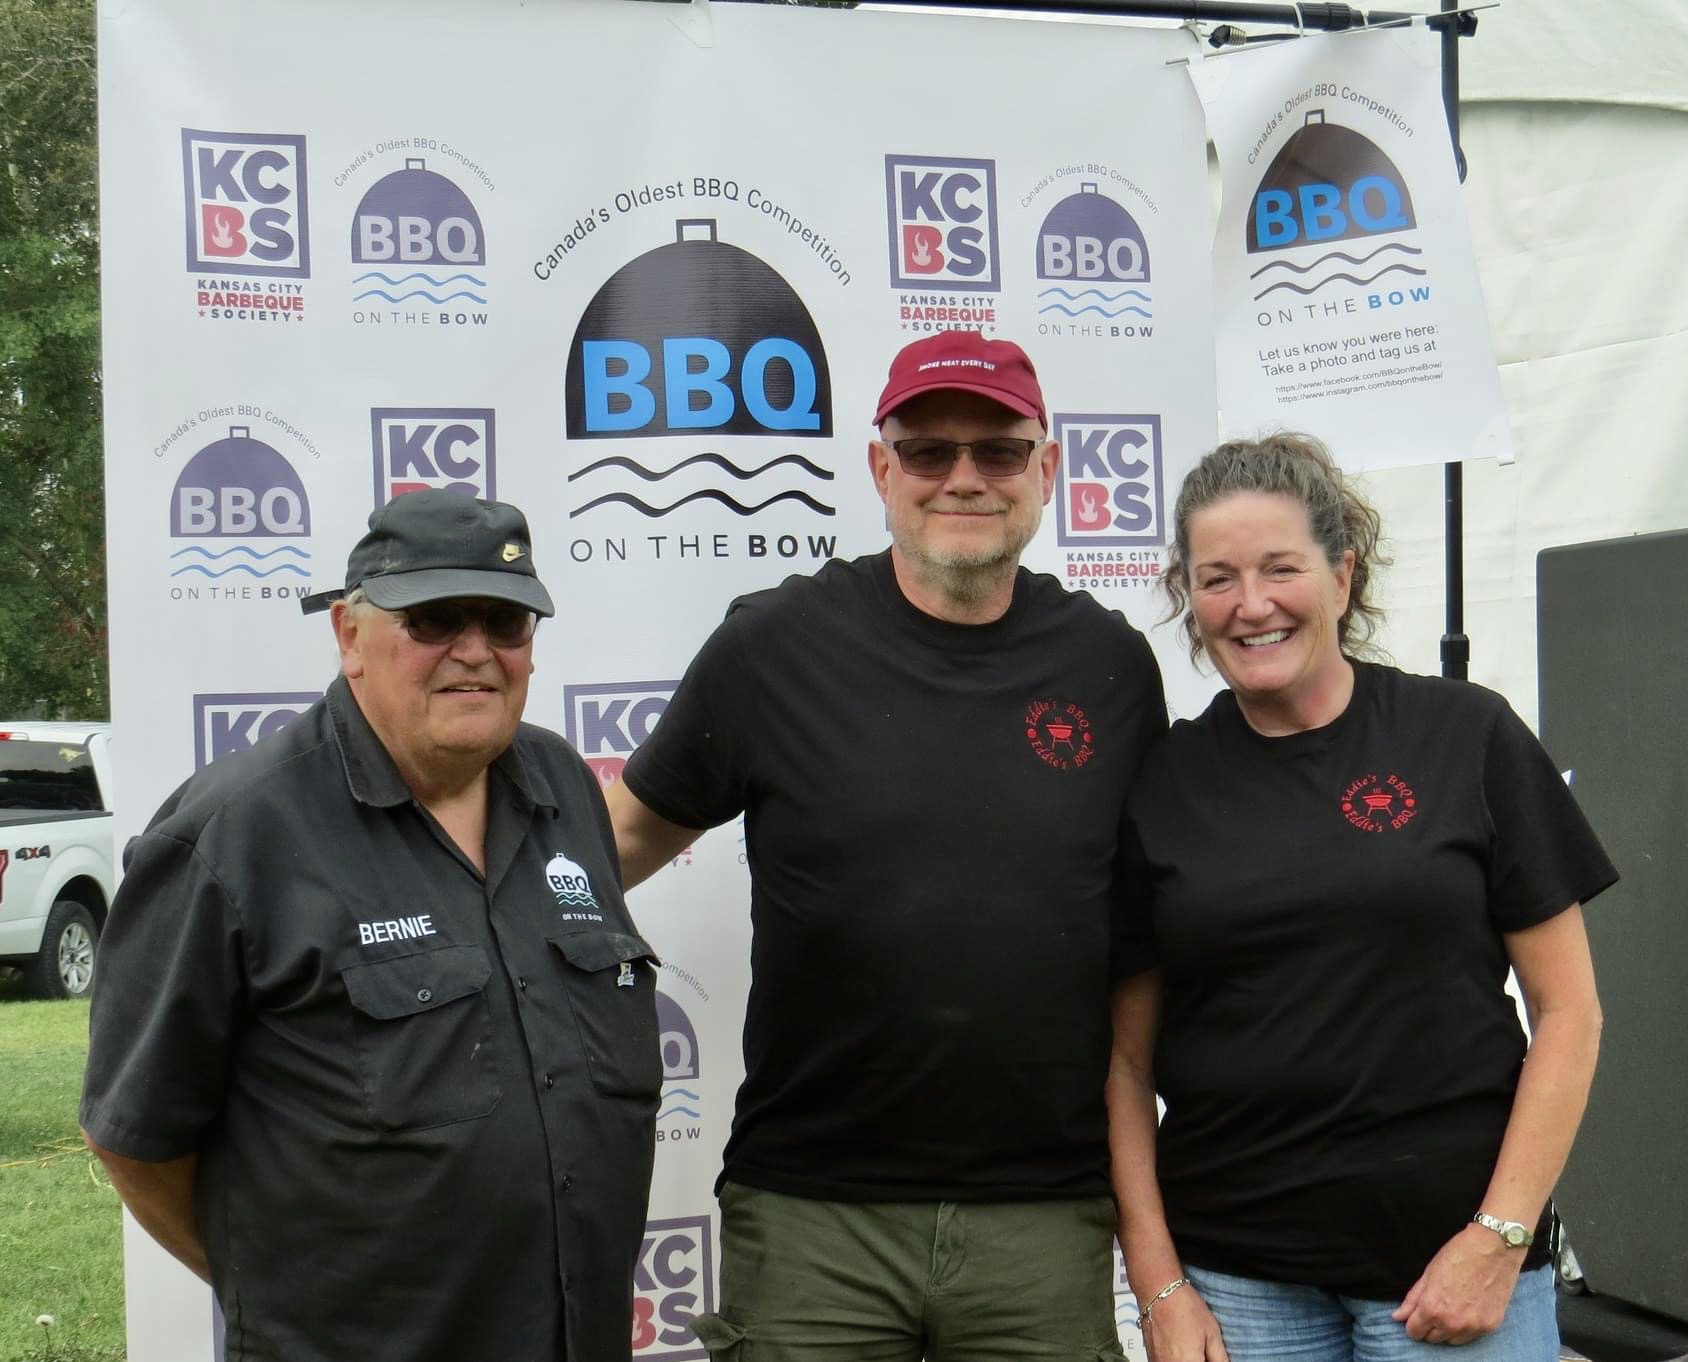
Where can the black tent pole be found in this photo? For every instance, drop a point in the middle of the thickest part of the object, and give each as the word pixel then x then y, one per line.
pixel 1456 647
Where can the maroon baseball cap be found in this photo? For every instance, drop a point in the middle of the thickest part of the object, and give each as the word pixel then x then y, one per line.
pixel 963 360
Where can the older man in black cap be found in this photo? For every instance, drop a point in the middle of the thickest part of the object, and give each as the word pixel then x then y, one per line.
pixel 375 1046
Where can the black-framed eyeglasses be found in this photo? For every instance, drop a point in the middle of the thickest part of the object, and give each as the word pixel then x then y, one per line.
pixel 505 624
pixel 1000 456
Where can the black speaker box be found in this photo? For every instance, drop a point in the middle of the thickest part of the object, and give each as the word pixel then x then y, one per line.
pixel 1612 635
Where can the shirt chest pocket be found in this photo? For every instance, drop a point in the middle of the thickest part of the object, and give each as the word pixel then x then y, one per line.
pixel 424 1037
pixel 610 980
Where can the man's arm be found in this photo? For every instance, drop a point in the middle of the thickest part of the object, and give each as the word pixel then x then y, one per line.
pixel 160 1197
pixel 644 839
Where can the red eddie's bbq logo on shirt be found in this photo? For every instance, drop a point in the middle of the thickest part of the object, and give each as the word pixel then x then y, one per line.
pixel 1059 733
pixel 1376 803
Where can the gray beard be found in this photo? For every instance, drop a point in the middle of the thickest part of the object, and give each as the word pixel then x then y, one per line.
pixel 966 577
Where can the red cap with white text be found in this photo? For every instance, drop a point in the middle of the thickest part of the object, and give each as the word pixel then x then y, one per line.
pixel 964 361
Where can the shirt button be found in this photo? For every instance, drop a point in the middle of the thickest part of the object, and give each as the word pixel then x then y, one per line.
pixel 424 995
pixel 521 983
pixel 550 1082
pixel 568 1182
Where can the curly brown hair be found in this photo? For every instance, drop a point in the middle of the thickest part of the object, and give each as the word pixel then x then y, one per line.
pixel 1293 465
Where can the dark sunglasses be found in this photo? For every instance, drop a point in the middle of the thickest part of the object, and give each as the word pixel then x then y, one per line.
pixel 436 622
pixel 926 456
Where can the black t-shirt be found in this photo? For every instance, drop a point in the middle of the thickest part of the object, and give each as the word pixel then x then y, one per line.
pixel 423 1100
pixel 1337 1053
pixel 931 817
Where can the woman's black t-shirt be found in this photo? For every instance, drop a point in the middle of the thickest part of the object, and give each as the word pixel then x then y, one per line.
pixel 1337 1052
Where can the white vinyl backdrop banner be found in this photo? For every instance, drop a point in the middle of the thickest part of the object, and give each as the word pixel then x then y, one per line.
pixel 1346 292
pixel 639 269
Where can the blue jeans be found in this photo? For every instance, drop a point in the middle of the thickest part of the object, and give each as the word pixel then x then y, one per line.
pixel 1276 1322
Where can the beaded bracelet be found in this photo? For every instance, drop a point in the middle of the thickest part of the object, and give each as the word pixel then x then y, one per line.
pixel 1159 1296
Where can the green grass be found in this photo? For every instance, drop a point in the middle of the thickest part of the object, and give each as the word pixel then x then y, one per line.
pixel 60 1223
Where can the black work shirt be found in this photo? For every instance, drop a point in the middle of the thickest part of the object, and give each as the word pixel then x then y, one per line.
pixel 423 1101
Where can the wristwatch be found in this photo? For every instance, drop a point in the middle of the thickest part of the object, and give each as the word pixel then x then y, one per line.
pixel 1511 1233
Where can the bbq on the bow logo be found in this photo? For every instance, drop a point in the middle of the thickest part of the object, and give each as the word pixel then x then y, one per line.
pixel 1332 216
pixel 1059 733
pixel 418 246
pixel 571 887
pixel 1093 270
pixel 1377 803
pixel 695 390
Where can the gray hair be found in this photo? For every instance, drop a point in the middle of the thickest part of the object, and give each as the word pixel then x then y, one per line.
pixel 1300 467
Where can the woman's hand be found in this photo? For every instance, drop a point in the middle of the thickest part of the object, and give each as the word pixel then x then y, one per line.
pixel 1182 1329
pixel 1464 1292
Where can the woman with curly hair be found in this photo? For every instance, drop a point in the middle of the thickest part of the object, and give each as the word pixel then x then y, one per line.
pixel 1340 862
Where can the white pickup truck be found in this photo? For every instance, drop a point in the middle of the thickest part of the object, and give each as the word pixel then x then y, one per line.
pixel 57 873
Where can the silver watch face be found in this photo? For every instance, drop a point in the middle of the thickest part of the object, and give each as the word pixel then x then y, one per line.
pixel 1513 1236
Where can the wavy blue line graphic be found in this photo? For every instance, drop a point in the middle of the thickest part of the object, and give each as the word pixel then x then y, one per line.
pixel 437 283
pixel 1092 307
pixel 1105 297
pixel 707 494
pixel 247 568
pixel 1337 255
pixel 1289 284
pixel 247 549
pixel 678 1111
pixel 720 460
pixel 680 1092
pixel 417 293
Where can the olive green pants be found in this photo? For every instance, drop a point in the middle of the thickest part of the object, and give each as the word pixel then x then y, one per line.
pixel 830 1281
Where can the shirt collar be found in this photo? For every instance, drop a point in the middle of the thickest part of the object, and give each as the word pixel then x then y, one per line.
pixel 373 776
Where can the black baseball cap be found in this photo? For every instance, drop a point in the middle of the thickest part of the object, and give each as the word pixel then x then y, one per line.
pixel 434 545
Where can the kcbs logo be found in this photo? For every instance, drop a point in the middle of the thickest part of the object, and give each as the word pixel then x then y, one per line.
pixel 1109 479
pixel 246 203
pixel 942 223
pixel 673 1283
pixel 226 724
pixel 1327 183
pixel 606 722
pixel 418 447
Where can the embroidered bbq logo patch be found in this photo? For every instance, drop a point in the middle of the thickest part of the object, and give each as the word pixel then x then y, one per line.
pixel 572 890
pixel 1059 732
pixel 1375 803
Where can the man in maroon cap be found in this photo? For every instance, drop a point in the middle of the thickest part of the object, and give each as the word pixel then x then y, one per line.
pixel 931 747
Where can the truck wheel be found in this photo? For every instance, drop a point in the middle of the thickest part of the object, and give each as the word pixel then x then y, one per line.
pixel 64 966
